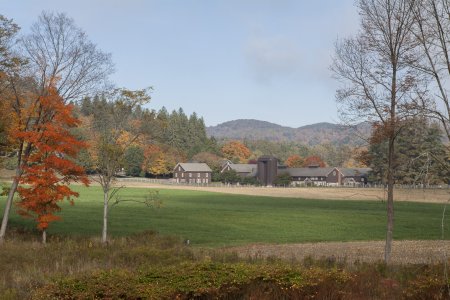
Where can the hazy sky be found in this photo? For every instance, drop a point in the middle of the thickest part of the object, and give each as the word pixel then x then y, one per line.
pixel 224 59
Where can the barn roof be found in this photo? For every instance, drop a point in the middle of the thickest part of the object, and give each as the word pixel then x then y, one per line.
pixel 308 172
pixel 244 168
pixel 194 167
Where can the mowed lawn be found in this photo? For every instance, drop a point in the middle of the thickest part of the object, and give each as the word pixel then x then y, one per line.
pixel 215 220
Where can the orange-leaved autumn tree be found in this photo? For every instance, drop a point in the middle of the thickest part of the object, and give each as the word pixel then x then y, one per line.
pixel 155 161
pixel 236 151
pixel 314 161
pixel 50 167
pixel 295 161
pixel 160 160
pixel 8 60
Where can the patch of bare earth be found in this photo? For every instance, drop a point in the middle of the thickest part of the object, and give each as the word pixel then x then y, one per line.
pixel 403 252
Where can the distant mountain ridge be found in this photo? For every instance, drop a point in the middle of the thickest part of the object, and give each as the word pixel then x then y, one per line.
pixel 313 134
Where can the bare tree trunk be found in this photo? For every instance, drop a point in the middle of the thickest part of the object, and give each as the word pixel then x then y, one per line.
pixel 390 203
pixel 44 236
pixel 379 84
pixel 105 215
pixel 391 131
pixel 8 205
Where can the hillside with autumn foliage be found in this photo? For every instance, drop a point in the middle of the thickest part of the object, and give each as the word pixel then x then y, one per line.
pixel 311 135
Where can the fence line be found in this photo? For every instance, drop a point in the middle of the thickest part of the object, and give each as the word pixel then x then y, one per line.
pixel 224 185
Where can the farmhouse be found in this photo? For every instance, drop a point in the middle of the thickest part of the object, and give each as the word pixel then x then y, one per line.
pixel 192 173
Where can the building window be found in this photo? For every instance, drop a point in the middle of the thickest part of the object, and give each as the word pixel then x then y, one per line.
pixel 206 175
pixel 182 175
pixel 176 175
pixel 198 175
pixel 190 175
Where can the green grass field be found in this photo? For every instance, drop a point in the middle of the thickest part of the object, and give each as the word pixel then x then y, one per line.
pixel 215 220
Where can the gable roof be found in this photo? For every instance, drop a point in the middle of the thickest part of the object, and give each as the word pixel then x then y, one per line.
pixel 308 172
pixel 243 168
pixel 194 167
pixel 225 162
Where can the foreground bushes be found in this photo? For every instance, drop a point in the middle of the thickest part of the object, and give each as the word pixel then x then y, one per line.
pixel 149 266
pixel 240 281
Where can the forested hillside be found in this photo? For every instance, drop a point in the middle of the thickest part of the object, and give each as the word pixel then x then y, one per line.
pixel 310 135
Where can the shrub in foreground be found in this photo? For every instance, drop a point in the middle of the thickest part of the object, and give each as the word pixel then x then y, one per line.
pixel 150 266
pixel 210 280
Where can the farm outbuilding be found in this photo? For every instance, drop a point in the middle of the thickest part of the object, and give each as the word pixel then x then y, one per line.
pixel 331 176
pixel 243 170
pixel 267 169
pixel 310 176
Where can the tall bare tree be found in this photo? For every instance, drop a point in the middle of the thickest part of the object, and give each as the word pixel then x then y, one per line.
pixel 377 82
pixel 432 32
pixel 57 48
pixel 57 53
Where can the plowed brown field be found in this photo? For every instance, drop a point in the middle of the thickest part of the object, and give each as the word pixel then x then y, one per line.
pixel 403 252
pixel 330 193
